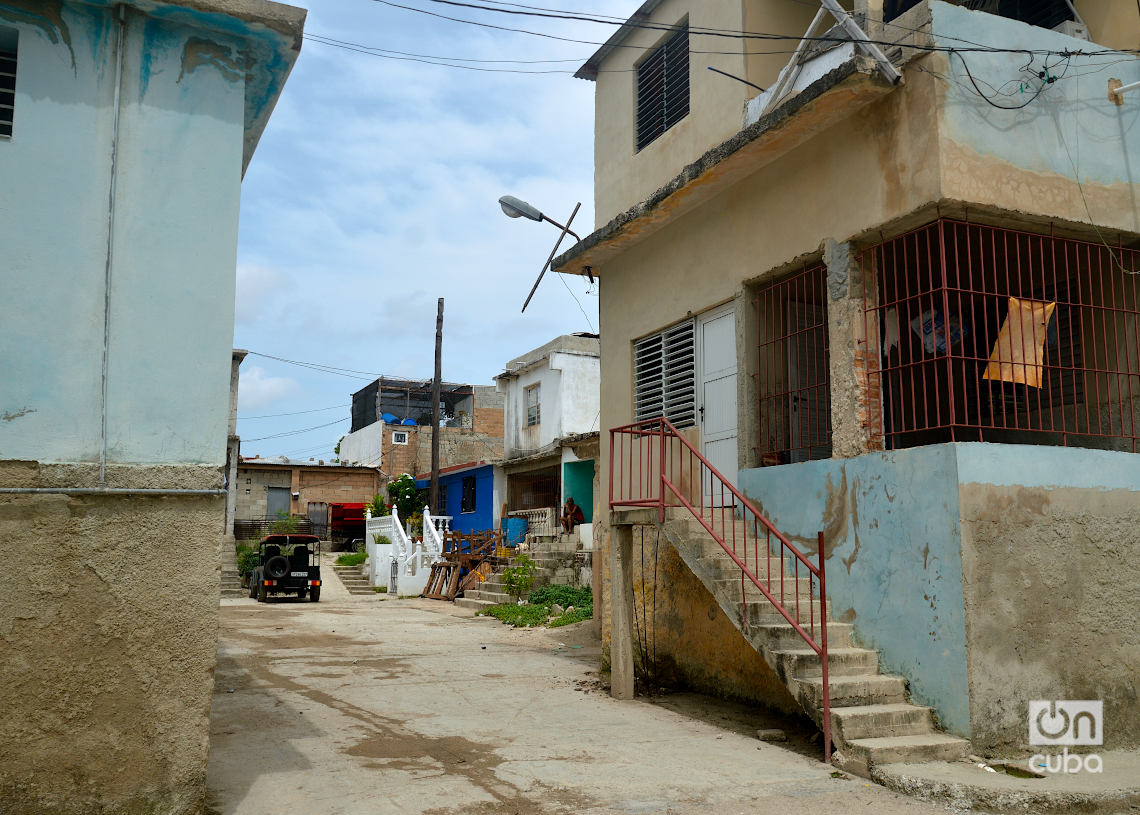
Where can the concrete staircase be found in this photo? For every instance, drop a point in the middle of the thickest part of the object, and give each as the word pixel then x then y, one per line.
pixel 872 721
pixel 231 578
pixel 491 592
pixel 555 558
pixel 354 579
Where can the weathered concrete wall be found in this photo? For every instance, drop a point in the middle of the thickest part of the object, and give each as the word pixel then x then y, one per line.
pixel 102 713
pixel 1028 160
pixel 1051 574
pixel 688 640
pixel 252 499
pixel 892 534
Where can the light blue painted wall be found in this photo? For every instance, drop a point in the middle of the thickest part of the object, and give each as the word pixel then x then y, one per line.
pixel 894 567
pixel 180 159
pixel 1009 465
pixel 1073 117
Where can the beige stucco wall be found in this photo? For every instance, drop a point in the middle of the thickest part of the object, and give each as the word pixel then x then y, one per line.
pixel 1113 24
pixel 103 713
pixel 1051 585
pixel 622 175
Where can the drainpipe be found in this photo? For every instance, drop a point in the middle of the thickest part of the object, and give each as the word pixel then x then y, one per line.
pixel 119 59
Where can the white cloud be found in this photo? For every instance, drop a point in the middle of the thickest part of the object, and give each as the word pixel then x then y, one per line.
pixel 374 191
pixel 257 390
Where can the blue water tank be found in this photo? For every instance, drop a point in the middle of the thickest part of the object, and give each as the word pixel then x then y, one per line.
pixel 409 422
pixel 516 531
pixel 390 418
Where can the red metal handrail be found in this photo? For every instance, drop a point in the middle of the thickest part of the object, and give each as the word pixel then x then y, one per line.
pixel 660 468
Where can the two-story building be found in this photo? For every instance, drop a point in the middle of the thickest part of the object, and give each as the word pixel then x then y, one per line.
pixel 890 297
pixel 125 129
pixel 551 419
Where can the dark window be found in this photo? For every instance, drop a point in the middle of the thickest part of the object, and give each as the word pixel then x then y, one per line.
pixel 663 87
pixel 7 80
pixel 441 503
pixel 468 502
pixel 665 376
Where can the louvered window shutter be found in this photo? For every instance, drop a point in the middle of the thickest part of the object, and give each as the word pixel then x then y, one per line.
pixel 666 376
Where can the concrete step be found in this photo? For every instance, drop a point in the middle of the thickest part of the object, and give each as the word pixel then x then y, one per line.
pixel 850 691
pixel 491 596
pixel 878 721
pixel 805 662
pixel 470 602
pixel 760 611
pixel 781 636
pixel 232 593
pixel 914 749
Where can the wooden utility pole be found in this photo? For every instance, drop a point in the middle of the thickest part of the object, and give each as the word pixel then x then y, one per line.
pixel 433 491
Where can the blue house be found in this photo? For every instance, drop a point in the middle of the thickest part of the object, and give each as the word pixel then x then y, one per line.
pixel 125 130
pixel 467 493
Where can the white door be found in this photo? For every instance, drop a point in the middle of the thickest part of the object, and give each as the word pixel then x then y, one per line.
pixel 716 398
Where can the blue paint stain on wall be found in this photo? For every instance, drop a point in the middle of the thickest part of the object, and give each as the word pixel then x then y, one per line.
pixel 1071 129
pixel 894 563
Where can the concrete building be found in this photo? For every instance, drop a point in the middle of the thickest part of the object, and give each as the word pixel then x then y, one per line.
pixel 551 423
pixel 125 129
pixel 891 298
pixel 391 426
pixel 266 487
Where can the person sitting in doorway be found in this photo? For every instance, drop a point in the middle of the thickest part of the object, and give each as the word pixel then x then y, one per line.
pixel 571 515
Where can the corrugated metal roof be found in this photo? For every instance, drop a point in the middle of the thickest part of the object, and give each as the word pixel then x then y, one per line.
pixel 590 69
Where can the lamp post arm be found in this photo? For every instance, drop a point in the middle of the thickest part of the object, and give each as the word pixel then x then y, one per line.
pixel 546 265
pixel 565 229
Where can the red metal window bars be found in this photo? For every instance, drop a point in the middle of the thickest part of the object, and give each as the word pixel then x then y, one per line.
pixel 1000 335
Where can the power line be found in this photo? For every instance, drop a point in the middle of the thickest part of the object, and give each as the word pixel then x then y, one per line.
pixel 294 413
pixel 725 33
pixel 333 41
pixel 297 432
pixel 316 366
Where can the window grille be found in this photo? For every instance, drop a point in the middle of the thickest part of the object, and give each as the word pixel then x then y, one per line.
pixel 999 335
pixel 441 501
pixel 399 437
pixel 7 82
pixel 663 87
pixel 794 369
pixel 467 503
pixel 665 375
pixel 533 405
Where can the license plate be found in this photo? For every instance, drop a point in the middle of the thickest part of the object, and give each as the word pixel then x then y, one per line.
pixel 298 574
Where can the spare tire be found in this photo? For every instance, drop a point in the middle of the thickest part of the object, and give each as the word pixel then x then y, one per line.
pixel 276 567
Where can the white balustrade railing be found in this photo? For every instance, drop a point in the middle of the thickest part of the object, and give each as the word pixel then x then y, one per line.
pixel 538 521
pixel 433 535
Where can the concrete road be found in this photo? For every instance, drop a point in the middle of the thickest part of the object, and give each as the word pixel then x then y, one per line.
pixel 357 705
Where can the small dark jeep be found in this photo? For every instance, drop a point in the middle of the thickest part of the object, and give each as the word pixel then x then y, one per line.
pixel 287 564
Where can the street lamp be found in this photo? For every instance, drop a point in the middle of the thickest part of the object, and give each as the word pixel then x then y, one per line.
pixel 516 208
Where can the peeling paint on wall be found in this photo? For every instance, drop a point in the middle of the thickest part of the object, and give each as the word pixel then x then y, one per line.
pixel 44 15
pixel 198 52
pixel 9 416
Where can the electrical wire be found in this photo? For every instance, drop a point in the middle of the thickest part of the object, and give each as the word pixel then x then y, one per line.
pixel 316 366
pixel 725 33
pixel 294 413
pixel 297 432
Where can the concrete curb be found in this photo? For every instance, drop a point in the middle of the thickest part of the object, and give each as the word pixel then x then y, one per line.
pixel 966 797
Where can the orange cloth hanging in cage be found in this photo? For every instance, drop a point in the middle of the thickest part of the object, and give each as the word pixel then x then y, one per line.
pixel 1019 352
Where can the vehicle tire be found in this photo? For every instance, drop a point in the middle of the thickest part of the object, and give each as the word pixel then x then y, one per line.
pixel 276 567
pixel 262 591
pixel 254 582
pixel 315 594
pixel 301 594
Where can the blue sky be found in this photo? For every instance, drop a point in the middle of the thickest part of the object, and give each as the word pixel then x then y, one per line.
pixel 374 191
